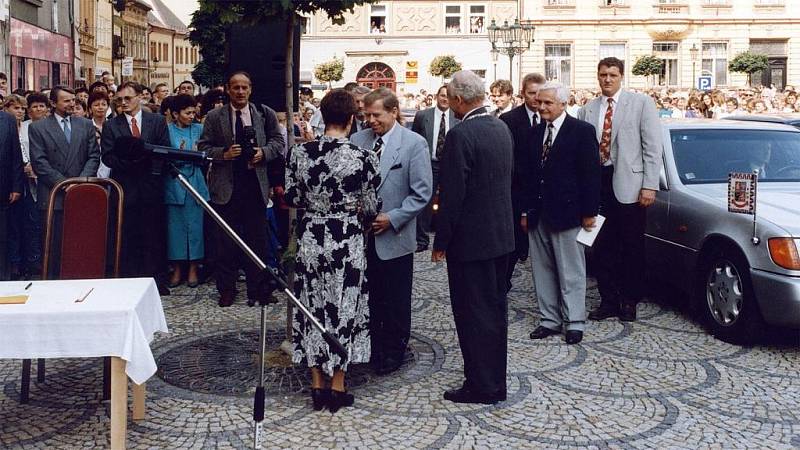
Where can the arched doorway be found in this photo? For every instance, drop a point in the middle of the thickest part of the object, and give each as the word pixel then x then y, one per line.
pixel 375 75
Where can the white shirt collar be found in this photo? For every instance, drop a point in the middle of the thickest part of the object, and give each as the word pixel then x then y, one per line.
pixel 472 110
pixel 557 125
pixel 138 117
pixel 386 135
pixel 59 118
pixel 531 113
pixel 615 97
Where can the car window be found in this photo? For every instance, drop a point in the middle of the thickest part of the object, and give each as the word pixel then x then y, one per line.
pixel 708 156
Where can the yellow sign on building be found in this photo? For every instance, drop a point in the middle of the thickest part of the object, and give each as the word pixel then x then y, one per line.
pixel 411 72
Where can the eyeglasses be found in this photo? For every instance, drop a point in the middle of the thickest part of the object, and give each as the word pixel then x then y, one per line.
pixel 128 98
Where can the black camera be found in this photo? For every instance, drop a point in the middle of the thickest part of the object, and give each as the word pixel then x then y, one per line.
pixel 248 143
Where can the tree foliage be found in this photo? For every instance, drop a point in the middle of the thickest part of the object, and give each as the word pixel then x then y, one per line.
pixel 749 62
pixel 647 65
pixel 213 18
pixel 444 66
pixel 329 71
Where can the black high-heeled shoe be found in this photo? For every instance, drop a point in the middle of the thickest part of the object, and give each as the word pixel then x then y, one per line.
pixel 339 400
pixel 319 398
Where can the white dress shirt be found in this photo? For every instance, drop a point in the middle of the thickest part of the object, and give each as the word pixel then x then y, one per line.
pixel 384 137
pixel 24 142
pixel 531 115
pixel 556 126
pixel 437 120
pixel 138 118
pixel 60 121
pixel 246 119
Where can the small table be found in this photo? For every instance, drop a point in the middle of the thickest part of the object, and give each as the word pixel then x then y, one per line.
pixel 117 319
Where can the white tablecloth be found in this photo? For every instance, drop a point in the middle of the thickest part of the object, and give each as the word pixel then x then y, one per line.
pixel 119 318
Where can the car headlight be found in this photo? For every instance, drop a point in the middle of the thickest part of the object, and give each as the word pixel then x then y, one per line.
pixel 785 252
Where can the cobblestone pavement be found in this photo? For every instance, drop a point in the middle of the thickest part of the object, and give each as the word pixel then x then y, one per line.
pixel 661 382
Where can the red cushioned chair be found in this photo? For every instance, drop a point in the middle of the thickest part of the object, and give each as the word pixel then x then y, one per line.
pixel 87 204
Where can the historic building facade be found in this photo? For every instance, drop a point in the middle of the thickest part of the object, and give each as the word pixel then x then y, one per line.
pixel 172 56
pixel 692 37
pixel 393 42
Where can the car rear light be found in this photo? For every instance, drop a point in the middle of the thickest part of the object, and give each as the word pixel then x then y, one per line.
pixel 785 252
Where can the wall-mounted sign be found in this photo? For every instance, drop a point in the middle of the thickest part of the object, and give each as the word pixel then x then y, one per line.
pixel 412 72
pixel 127 66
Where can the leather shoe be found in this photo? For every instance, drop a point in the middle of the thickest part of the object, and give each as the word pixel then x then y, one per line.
pixel 319 398
pixel 573 337
pixel 339 400
pixel 421 248
pixel 604 311
pixel 464 395
pixel 226 299
pixel 627 312
pixel 542 332
pixel 163 290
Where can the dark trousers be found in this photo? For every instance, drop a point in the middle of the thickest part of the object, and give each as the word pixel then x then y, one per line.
pixel 4 218
pixel 520 252
pixel 619 248
pixel 480 310
pixel 425 218
pixel 144 244
pixel 247 215
pixel 25 235
pixel 389 304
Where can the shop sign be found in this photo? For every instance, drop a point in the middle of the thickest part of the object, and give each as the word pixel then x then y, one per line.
pixel 29 41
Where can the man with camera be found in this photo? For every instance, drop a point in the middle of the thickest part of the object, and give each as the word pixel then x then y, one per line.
pixel 241 138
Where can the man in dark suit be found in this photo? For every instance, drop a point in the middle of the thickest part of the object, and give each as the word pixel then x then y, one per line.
pixel 520 121
pixel 12 181
pixel 563 198
pixel 239 185
pixel 433 124
pixel 61 146
pixel 474 232
pixel 144 226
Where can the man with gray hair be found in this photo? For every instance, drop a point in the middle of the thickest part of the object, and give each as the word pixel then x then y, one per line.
pixel 475 232
pixel 563 198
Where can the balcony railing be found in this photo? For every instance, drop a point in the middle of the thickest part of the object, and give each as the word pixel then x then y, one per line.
pixel 559 4
pixel 670 8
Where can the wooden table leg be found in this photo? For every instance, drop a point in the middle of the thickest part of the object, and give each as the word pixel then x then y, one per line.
pixel 139 391
pixel 119 403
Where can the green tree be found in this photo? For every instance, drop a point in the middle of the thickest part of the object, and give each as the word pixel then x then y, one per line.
pixel 329 71
pixel 749 62
pixel 647 66
pixel 444 66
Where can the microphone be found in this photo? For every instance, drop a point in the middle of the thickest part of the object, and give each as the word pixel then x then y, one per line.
pixel 135 149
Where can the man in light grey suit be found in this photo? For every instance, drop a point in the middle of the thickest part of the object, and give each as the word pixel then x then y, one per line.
pixel 433 124
pixel 629 134
pixel 405 188
pixel 61 146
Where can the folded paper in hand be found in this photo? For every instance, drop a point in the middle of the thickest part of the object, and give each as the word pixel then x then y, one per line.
pixel 587 237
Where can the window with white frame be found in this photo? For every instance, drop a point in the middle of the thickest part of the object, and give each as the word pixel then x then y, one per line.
pixel 612 49
pixel 377 19
pixel 558 63
pixel 715 61
pixel 477 19
pixel 668 53
pixel 452 19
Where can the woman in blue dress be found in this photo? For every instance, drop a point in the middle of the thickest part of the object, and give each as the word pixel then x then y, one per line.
pixel 184 214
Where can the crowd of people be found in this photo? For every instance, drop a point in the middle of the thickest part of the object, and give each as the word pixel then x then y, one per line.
pixel 517 177
pixel 670 102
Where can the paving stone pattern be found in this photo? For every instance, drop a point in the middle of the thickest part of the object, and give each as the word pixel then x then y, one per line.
pixel 661 382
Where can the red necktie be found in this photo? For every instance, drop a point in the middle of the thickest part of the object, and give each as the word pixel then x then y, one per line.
pixel 135 128
pixel 605 138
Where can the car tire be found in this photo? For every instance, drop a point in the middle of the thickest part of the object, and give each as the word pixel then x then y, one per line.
pixel 725 297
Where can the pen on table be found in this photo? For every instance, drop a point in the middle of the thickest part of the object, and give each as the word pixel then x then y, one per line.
pixel 84 297
pixel 29 285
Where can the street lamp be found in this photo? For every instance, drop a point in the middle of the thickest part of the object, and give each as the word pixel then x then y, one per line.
pixel 511 40
pixel 495 53
pixel 693 52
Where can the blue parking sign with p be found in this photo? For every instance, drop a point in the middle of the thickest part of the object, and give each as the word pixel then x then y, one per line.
pixel 704 83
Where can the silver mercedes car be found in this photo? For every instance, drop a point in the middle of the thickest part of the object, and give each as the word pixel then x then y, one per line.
pixel 741 274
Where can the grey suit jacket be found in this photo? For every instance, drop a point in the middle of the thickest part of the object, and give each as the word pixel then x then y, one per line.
pixel 53 159
pixel 406 185
pixel 218 136
pixel 423 125
pixel 636 145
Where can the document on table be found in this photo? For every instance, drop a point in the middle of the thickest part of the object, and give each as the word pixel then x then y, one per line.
pixel 11 294
pixel 587 237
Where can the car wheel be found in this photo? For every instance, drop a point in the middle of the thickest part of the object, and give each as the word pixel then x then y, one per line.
pixel 726 297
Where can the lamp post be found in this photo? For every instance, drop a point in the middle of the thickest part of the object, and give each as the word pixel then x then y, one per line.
pixel 693 52
pixel 495 53
pixel 510 39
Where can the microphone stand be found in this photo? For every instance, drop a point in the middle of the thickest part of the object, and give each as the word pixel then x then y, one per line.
pixel 279 280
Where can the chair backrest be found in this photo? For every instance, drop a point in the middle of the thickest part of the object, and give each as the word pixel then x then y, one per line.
pixel 85 229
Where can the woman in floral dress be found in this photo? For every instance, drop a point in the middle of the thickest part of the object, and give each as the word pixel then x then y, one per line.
pixel 331 179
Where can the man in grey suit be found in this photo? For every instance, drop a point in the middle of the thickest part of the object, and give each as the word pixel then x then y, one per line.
pixel 433 124
pixel 405 188
pixel 239 185
pixel 61 146
pixel 629 136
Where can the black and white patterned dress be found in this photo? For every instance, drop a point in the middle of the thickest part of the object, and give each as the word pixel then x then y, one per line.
pixel 327 178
